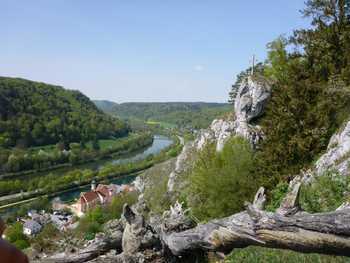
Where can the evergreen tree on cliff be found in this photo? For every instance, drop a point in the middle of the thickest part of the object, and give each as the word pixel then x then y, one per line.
pixel 327 44
pixel 310 90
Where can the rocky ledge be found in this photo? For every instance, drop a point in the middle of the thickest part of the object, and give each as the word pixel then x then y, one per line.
pixel 252 97
pixel 337 156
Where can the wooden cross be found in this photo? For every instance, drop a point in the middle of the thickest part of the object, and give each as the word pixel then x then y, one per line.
pixel 253 65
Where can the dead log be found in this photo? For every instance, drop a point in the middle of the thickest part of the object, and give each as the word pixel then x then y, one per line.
pixel 111 240
pixel 98 247
pixel 288 228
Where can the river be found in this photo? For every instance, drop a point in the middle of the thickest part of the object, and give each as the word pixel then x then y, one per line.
pixel 159 143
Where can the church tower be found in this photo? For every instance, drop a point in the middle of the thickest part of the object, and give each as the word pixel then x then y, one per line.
pixel 93 185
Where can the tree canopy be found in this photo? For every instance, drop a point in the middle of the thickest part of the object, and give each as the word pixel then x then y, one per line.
pixel 310 77
pixel 34 113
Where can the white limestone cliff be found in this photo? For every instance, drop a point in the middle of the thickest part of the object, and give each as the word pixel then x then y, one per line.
pixel 181 165
pixel 252 97
pixel 337 156
pixel 250 102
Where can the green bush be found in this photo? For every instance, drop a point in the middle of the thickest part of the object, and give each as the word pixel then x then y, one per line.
pixel 326 193
pixel 21 244
pixel 156 191
pixel 175 151
pixel 43 241
pixel 91 223
pixel 115 209
pixel 14 234
pixel 221 182
pixel 277 194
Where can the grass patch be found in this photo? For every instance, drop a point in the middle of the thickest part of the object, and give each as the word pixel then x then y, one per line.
pixel 165 125
pixel 156 191
pixel 326 193
pixel 261 255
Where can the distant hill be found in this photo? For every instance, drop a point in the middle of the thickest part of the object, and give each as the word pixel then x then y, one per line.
pixel 34 113
pixel 182 114
pixel 105 105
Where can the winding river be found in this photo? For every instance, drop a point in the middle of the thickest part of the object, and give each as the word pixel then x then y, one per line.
pixel 159 143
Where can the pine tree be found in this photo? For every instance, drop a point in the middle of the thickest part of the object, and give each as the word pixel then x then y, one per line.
pixel 304 111
pixel 326 45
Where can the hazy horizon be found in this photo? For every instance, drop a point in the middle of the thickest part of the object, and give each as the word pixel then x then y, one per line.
pixel 152 51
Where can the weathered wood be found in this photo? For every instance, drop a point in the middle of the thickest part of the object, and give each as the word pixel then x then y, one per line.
pixel 98 247
pixel 337 222
pixel 327 233
pixel 260 198
pixel 290 203
pixel 320 233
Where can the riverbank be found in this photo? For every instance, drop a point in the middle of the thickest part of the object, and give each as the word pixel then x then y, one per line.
pixel 50 158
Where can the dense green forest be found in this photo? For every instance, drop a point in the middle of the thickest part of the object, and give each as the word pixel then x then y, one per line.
pixel 181 114
pixel 34 113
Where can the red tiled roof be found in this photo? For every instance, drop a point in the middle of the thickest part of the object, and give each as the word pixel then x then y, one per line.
pixel 90 196
pixel 103 190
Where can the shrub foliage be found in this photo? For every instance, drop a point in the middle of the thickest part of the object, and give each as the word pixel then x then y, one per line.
pixel 221 181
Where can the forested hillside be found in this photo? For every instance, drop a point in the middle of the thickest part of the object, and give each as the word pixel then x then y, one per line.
pixel 105 105
pixel 34 113
pixel 183 114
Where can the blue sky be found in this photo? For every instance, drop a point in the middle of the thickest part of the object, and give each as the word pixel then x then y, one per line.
pixel 138 50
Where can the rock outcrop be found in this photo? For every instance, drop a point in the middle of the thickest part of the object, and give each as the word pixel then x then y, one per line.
pixel 181 165
pixel 337 156
pixel 136 235
pixel 219 131
pixel 251 99
pixel 250 103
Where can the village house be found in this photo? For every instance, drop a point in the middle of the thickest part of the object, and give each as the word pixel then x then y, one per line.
pixel 42 218
pixel 99 195
pixel 61 221
pixel 31 227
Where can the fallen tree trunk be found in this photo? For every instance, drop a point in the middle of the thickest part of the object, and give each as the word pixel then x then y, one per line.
pixel 98 247
pixel 288 228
